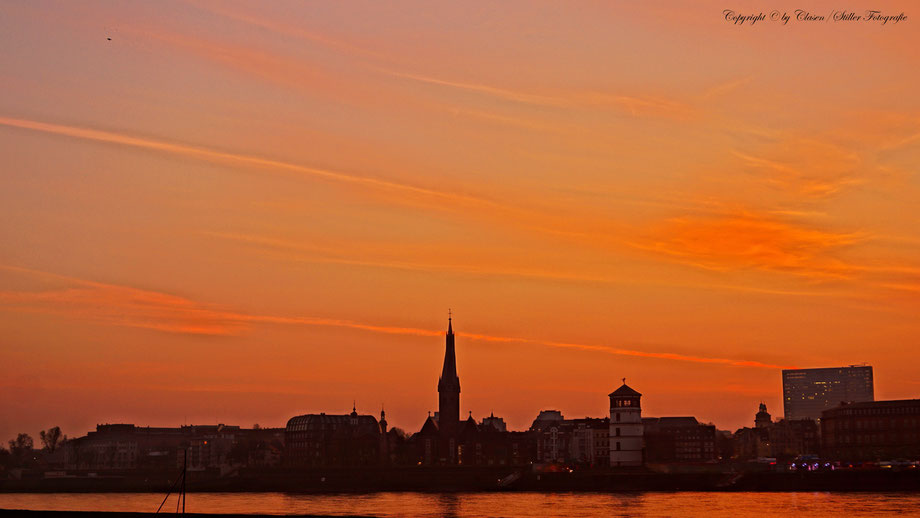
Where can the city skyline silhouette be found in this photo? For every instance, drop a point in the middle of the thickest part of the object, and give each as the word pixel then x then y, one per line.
pixel 219 213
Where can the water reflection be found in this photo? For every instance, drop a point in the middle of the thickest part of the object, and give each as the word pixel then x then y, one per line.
pixel 449 505
pixel 629 504
pixel 476 505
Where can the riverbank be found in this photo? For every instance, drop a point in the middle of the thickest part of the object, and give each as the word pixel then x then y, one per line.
pixel 26 513
pixel 480 479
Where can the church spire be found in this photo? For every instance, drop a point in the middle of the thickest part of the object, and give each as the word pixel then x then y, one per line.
pixel 449 379
pixel 449 398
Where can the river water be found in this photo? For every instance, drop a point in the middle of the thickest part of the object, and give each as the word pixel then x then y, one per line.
pixel 488 504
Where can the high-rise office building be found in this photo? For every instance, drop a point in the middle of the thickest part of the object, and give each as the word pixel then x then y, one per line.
pixel 808 392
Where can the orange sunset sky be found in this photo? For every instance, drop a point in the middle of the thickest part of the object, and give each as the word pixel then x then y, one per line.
pixel 240 212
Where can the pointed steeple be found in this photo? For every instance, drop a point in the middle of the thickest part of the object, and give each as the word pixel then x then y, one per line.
pixel 449 399
pixel 449 379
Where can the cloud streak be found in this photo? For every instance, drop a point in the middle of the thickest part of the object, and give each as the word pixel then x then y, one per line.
pixel 808 168
pixel 636 106
pixel 117 305
pixel 111 304
pixel 212 155
pixel 747 239
pixel 293 31
pixel 294 251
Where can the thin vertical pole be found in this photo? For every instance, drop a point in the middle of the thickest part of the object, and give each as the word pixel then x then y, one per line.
pixel 184 472
pixel 173 486
pixel 181 496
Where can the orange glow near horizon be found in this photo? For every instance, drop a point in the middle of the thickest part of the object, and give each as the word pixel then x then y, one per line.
pixel 239 213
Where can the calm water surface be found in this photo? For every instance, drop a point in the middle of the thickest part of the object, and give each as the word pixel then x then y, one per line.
pixel 489 504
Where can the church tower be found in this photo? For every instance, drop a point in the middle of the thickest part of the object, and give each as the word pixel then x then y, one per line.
pixel 626 441
pixel 449 400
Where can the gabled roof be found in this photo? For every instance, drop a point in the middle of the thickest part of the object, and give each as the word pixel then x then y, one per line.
pixel 469 426
pixel 430 426
pixel 624 390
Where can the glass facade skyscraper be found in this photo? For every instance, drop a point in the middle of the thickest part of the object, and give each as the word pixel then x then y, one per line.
pixel 808 392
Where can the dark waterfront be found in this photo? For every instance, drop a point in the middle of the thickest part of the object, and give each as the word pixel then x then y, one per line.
pixel 470 505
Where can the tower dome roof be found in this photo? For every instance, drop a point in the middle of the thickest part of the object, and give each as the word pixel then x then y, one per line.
pixel 624 391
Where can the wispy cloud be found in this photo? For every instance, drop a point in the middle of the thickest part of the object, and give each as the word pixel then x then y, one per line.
pixel 120 306
pixel 538 220
pixel 517 122
pixel 299 252
pixel 111 304
pixel 286 29
pixel 629 352
pixel 212 155
pixel 634 105
pixel 748 239
pixel 806 167
pixel 349 254
pixel 501 93
pixel 902 286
